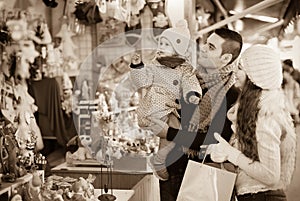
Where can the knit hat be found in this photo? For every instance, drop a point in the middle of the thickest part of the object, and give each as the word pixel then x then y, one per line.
pixel 263 66
pixel 179 36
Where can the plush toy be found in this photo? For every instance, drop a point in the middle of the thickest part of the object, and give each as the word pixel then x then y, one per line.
pixel 82 153
pixel 85 140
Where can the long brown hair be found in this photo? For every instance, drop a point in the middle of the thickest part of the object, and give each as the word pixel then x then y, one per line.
pixel 246 119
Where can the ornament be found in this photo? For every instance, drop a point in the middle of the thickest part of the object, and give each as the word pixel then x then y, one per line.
pixel 160 20
pixel 66 46
pixel 202 17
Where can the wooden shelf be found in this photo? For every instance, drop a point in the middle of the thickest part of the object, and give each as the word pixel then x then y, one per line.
pixel 7 188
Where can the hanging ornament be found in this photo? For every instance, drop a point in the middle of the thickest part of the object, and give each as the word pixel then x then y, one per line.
pixel 202 17
pixel 47 39
pixel 66 46
pixel 136 6
pixel 102 5
pixel 160 20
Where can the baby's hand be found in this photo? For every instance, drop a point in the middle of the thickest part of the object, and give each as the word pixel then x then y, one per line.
pixel 136 59
pixel 194 100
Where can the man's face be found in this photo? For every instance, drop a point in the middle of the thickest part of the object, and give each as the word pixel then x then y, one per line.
pixel 210 53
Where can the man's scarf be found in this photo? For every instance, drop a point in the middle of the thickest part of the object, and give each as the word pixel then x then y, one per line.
pixel 217 85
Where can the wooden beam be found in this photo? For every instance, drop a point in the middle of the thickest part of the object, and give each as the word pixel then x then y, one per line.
pixel 223 11
pixel 254 8
pixel 264 28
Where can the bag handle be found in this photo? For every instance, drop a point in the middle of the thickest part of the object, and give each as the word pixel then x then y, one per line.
pixel 205 154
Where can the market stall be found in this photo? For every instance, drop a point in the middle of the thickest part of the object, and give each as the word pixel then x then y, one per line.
pixel 66 93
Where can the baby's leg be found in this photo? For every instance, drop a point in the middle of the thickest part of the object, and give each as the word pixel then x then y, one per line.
pixel 165 147
pixel 159 127
pixel 158 161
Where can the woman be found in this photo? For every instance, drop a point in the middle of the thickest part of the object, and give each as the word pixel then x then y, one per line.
pixel 263 145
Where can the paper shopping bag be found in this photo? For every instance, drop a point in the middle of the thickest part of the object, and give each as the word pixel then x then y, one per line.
pixel 206 183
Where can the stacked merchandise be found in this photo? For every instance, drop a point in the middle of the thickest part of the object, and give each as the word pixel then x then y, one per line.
pixel 20 137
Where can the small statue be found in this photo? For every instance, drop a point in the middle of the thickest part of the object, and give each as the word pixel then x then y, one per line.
pixel 85 90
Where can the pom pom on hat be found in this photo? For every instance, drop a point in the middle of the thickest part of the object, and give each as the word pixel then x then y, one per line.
pixel 263 66
pixel 179 36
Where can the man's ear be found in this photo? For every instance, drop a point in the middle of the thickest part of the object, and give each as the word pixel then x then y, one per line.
pixel 226 58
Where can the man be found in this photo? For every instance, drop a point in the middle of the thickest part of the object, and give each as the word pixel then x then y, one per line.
pixel 216 76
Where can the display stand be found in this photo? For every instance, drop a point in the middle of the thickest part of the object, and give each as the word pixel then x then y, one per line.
pixel 7 188
pixel 144 184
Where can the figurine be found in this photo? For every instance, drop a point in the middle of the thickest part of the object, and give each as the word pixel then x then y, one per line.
pixel 85 90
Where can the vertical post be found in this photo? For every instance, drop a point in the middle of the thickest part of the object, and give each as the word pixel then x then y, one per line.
pixel 189 15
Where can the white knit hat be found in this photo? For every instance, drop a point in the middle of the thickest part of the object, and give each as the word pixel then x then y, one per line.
pixel 179 36
pixel 263 66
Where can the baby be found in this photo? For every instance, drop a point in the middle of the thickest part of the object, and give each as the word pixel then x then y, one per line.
pixel 166 79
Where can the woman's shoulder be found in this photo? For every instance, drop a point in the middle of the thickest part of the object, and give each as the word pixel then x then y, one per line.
pixel 271 101
pixel 272 108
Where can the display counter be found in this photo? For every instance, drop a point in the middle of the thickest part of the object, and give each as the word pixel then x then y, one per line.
pixel 144 184
pixel 6 188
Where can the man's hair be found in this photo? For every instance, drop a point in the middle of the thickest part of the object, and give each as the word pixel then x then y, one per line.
pixel 233 42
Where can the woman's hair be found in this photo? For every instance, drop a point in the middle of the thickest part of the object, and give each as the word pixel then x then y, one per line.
pixel 246 119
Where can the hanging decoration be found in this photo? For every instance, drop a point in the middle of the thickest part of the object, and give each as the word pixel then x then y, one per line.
pixel 67 46
pixel 202 17
pixel 102 5
pixel 87 12
pixel 160 20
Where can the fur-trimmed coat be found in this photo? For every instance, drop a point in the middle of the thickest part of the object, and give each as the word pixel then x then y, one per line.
pixel 276 146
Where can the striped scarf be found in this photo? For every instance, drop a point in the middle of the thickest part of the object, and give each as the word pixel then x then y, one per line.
pixel 217 85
